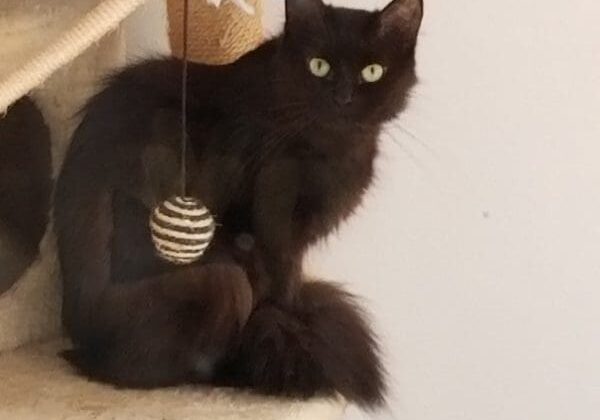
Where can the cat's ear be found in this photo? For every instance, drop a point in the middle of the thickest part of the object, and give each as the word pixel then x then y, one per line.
pixel 402 16
pixel 302 12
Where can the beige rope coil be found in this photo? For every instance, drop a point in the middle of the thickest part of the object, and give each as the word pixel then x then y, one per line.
pixel 218 35
pixel 105 17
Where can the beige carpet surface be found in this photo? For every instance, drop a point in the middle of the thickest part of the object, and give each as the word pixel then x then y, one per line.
pixel 36 384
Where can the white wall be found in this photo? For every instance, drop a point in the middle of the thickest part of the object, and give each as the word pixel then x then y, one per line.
pixel 146 31
pixel 478 249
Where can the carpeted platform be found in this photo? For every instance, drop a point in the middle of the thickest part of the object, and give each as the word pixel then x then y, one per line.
pixel 37 384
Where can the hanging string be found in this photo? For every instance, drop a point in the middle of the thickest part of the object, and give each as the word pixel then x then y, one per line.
pixel 184 94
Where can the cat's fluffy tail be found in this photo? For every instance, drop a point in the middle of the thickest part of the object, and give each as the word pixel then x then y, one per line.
pixel 320 346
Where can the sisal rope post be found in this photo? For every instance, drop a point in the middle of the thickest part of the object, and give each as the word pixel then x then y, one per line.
pixel 217 35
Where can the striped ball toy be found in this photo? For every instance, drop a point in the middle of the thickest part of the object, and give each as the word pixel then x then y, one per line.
pixel 182 229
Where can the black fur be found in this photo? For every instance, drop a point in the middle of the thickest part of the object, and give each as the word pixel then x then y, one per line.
pixel 25 187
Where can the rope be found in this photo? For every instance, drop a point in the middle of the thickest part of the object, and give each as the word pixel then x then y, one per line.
pixel 224 33
pixel 184 92
pixel 93 26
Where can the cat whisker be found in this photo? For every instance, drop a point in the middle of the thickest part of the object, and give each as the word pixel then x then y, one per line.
pixel 411 156
pixel 397 125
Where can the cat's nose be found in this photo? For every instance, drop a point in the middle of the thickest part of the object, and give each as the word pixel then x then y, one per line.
pixel 343 96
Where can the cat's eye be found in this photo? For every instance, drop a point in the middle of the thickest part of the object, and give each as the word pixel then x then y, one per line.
pixel 372 73
pixel 319 67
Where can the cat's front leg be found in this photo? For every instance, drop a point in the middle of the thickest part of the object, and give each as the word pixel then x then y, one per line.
pixel 278 259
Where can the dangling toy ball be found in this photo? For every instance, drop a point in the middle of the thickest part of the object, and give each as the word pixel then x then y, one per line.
pixel 182 229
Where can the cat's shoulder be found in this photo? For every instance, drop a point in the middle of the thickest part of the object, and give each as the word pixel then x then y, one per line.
pixel 136 89
pixel 161 75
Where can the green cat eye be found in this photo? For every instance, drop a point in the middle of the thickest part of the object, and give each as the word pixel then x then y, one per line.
pixel 372 73
pixel 319 67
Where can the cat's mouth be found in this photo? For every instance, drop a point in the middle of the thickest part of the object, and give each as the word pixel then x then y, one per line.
pixel 346 114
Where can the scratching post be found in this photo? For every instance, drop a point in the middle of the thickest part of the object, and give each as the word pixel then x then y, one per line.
pixel 218 35
pixel 55 52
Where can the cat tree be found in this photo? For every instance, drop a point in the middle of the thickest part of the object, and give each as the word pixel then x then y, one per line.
pixel 56 52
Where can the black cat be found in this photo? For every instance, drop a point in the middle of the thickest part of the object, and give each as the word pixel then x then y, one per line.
pixel 282 146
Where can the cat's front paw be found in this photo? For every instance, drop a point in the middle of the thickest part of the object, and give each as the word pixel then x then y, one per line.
pixel 218 295
pixel 226 296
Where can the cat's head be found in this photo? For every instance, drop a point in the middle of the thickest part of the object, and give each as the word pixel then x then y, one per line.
pixel 349 65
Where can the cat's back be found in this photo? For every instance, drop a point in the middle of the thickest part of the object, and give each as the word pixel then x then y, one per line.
pixel 121 118
pixel 143 101
pixel 129 99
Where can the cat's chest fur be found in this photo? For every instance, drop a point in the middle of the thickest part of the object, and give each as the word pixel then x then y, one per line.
pixel 335 173
pixel 324 164
pixel 324 168
pixel 317 181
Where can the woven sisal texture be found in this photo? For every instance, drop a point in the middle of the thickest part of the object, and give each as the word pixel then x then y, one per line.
pixel 217 35
pixel 67 45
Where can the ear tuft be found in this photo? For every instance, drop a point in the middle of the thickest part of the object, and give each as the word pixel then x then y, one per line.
pixel 402 15
pixel 303 11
